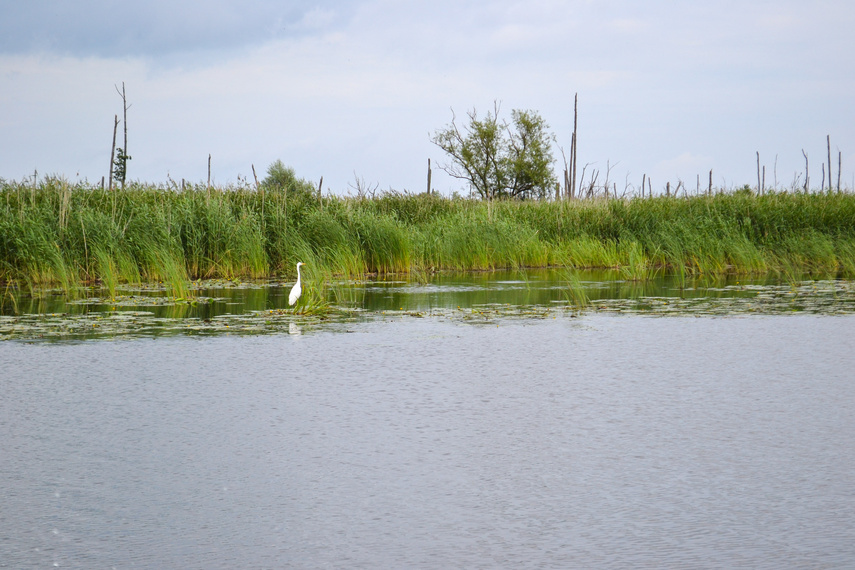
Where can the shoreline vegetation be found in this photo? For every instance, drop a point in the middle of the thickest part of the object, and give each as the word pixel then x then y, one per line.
pixel 62 234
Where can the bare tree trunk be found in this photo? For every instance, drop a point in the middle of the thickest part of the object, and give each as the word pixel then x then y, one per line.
pixel 668 189
pixel 574 146
pixel 709 191
pixel 125 125
pixel 759 190
pixel 763 186
pixel 828 140
pixel 776 172
pixel 822 186
pixel 428 178
pixel 807 178
pixel 320 185
pixel 113 150
pixel 839 164
pixel 209 172
pixel 643 181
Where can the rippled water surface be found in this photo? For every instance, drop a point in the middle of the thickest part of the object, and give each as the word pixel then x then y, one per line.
pixel 596 441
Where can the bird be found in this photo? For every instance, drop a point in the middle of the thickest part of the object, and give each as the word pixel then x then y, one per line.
pixel 296 290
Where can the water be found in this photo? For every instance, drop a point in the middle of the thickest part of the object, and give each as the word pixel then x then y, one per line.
pixel 222 307
pixel 600 440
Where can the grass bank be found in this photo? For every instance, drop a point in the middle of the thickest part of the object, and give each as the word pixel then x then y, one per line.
pixel 55 232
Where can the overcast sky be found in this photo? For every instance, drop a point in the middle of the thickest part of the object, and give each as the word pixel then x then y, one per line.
pixel 345 89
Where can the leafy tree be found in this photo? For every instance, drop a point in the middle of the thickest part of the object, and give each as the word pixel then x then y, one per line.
pixel 120 165
pixel 500 160
pixel 284 178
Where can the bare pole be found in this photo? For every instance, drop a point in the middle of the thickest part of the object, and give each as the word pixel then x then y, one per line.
pixel 709 191
pixel 828 140
pixel 256 177
pixel 776 172
pixel 807 178
pixel 113 151
pixel 839 164
pixel 643 181
pixel 763 186
pixel 574 144
pixel 428 177
pixel 320 185
pixel 125 126
pixel 759 190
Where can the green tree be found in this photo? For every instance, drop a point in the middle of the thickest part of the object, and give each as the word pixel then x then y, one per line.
pixel 284 177
pixel 500 160
pixel 120 166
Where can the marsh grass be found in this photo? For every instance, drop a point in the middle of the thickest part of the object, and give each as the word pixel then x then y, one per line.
pixel 61 234
pixel 575 292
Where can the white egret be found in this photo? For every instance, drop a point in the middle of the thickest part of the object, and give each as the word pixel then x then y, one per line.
pixel 296 290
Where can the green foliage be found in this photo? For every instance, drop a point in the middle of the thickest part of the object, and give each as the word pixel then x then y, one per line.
pixel 120 165
pixel 284 178
pixel 500 160
pixel 64 234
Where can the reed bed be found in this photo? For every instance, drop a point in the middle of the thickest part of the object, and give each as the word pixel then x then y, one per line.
pixel 61 234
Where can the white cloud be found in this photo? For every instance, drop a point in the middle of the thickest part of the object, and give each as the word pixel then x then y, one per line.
pixel 333 88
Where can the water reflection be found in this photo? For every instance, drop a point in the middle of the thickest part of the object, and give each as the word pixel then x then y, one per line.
pixel 257 307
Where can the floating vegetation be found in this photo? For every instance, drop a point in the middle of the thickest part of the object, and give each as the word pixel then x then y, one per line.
pixel 235 307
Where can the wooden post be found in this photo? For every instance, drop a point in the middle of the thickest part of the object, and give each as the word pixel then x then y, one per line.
pixel 807 177
pixel 775 173
pixel 113 150
pixel 758 172
pixel 828 139
pixel 763 185
pixel 709 191
pixel 566 181
pixel 125 126
pixel 649 188
pixel 643 181
pixel 668 189
pixel 320 185
pixel 822 186
pixel 428 178
pixel 209 172
pixel 839 164
pixel 573 145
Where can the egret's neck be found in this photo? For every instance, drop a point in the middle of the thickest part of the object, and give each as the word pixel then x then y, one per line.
pixel 298 274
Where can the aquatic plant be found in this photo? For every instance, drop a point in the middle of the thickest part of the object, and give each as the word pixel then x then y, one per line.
pixel 63 234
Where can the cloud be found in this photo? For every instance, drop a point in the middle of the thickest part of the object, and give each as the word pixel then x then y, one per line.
pixel 155 28
pixel 337 87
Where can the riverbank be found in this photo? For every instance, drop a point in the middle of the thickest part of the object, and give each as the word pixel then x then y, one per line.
pixel 60 233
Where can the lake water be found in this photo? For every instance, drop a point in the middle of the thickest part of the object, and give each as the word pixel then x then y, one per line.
pixel 428 436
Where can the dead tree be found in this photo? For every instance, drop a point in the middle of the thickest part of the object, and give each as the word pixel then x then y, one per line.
pixel 113 151
pixel 123 156
pixel 828 140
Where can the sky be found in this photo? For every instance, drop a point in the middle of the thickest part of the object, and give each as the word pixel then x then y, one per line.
pixel 352 90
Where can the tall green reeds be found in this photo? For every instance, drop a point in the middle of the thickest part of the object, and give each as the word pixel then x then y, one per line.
pixel 62 234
